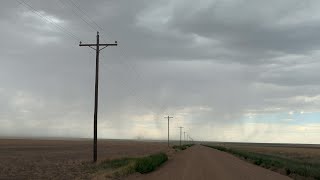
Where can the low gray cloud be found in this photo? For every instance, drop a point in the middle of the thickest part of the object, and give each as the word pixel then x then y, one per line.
pixel 207 63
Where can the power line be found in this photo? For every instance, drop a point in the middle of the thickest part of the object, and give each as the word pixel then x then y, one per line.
pixel 35 11
pixel 88 17
pixel 138 75
pixel 77 14
pixel 133 92
pixel 72 35
pixel 86 14
pixel 125 64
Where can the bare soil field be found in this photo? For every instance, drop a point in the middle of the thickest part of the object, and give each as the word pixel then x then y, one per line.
pixel 310 153
pixel 299 161
pixel 63 159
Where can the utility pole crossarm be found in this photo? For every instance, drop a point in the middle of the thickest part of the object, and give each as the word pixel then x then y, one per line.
pixel 112 44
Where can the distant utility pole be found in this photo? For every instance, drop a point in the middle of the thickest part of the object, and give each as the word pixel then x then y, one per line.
pixel 184 137
pixel 188 138
pixel 180 134
pixel 168 129
pixel 96 47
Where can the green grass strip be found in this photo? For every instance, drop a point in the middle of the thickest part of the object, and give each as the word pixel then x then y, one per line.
pixel 182 147
pixel 126 166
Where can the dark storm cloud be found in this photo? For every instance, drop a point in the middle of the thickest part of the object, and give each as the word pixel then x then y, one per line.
pixel 214 61
pixel 252 25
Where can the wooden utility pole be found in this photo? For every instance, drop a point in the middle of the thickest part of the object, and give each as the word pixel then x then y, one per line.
pixel 180 134
pixel 96 47
pixel 184 137
pixel 168 129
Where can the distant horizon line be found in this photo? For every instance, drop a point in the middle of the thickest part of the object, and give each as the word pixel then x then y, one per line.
pixel 136 139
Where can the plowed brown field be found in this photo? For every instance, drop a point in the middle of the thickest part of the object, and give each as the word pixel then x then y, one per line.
pixel 62 159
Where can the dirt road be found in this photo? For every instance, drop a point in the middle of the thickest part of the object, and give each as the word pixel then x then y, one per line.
pixel 203 163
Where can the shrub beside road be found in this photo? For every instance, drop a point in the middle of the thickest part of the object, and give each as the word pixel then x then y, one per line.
pixel 182 147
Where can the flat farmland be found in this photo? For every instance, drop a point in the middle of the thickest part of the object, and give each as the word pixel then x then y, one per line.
pixel 63 159
pixel 304 152
pixel 299 161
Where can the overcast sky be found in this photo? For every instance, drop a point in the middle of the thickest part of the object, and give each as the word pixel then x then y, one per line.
pixel 226 70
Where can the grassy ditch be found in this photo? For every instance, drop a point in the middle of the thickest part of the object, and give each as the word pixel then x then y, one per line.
pixel 125 166
pixel 182 147
pixel 150 163
pixel 290 167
